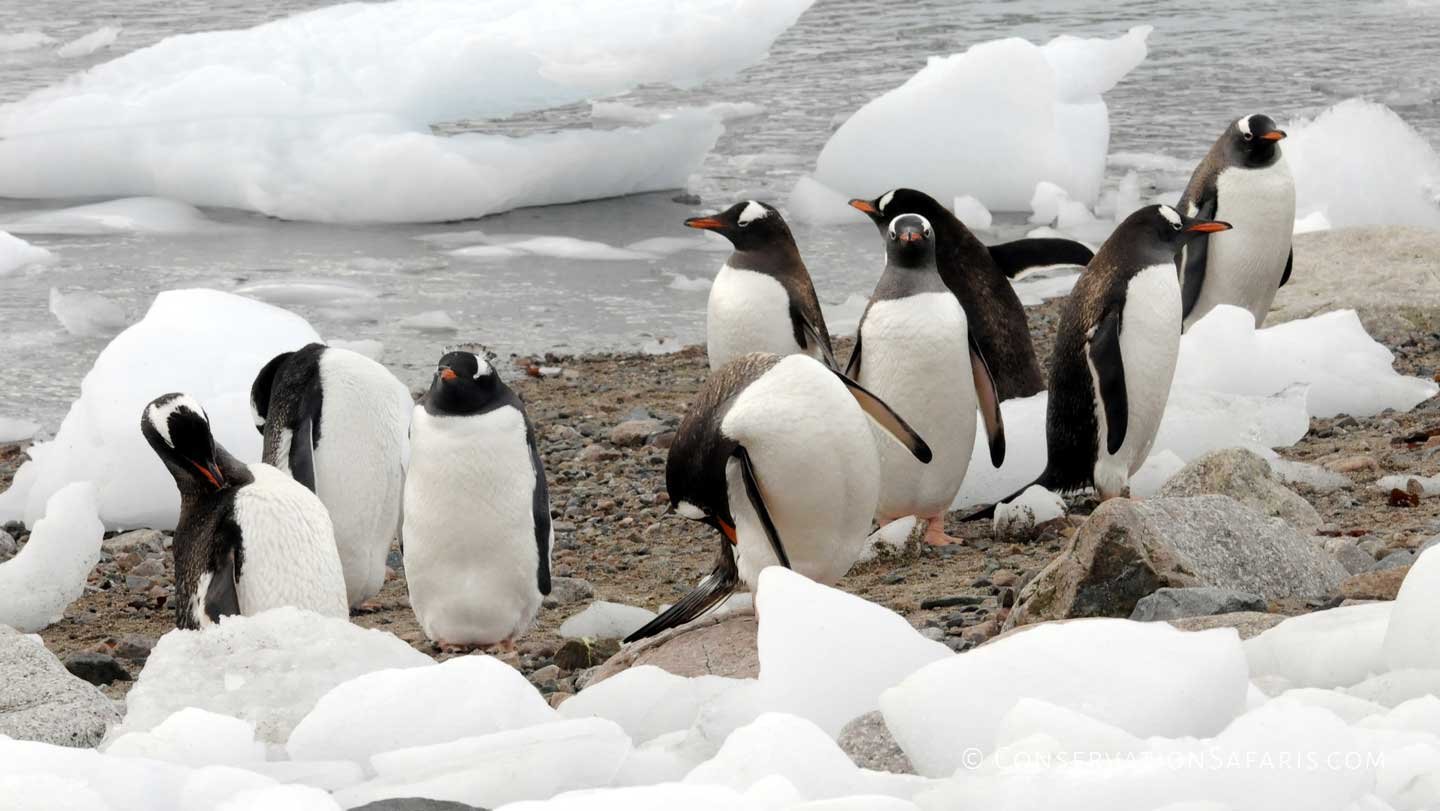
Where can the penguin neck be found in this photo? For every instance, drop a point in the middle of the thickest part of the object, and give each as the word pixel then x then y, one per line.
pixel 907 278
pixel 195 488
pixel 780 258
pixel 1262 156
pixel 446 402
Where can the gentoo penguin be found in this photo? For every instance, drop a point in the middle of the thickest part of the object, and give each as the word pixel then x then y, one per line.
pixel 762 299
pixel 1244 180
pixel 477 534
pixel 336 421
pixel 776 455
pixel 979 277
pixel 914 349
pixel 1115 352
pixel 249 537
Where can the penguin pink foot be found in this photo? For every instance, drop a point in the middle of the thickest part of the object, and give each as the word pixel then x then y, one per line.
pixel 935 532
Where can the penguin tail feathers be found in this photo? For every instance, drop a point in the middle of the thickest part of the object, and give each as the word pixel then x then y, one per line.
pixel 1014 258
pixel 1047 480
pixel 711 591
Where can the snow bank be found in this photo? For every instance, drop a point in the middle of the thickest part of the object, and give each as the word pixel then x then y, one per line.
pixel 50 571
pixel 1358 163
pixel 206 343
pixel 16 430
pixel 100 38
pixel 1331 648
pixel 269 669
pixel 647 702
pixel 605 620
pixel 1031 508
pixel 16 253
pixel 1412 639
pixel 326 114
pixel 1013 114
pixel 87 314
pixel 194 737
pixel 135 215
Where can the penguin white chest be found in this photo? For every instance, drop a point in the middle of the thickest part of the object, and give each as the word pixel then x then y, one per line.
pixel 1244 265
pixel 747 312
pixel 288 547
pixel 1149 345
pixel 815 462
pixel 471 556
pixel 916 357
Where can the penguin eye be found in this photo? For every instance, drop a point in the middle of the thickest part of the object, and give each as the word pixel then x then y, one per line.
pixel 1175 225
pixel 1248 136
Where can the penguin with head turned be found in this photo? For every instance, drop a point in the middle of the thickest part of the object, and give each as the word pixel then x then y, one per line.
pixel 762 300
pixel 914 348
pixel 249 537
pixel 775 455
pixel 477 533
pixel 1115 353
pixel 337 421
pixel 1244 180
pixel 979 276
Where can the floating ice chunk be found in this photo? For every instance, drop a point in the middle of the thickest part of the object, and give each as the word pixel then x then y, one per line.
pixel 1046 202
pixel 269 669
pixel 1015 114
pixel 533 763
pixel 1041 286
pixel 393 709
pixel 1313 476
pixel 777 744
pixel 194 737
pixel 1412 639
pixel 1152 680
pixel 1358 163
pixel 139 215
pixel 684 283
pixel 312 292
pixel 307 116
pixel 102 37
pixel 1314 221
pixel 1152 475
pixel 24 41
pixel 572 248
pixel 647 702
pixel 87 314
pixel 1331 648
pixel 815 203
pixel 1127 196
pixel 430 321
pixel 368 347
pixel 16 253
pixel 13 429
pixel 1429 485
pixel 1031 508
pixel 893 536
pixel 484 252
pixel 204 342
pixel 972 212
pixel 1151 162
pixel 805 628
pixel 605 620
pixel 50 572
pixel 666 246
pixel 1346 370
pixel 632 114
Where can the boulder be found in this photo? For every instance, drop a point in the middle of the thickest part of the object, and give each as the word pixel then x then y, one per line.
pixel 1351 556
pixel 714 646
pixel 1380 584
pixel 1394 559
pixel 1399 295
pixel 138 541
pixel 41 701
pixel 1129 549
pixel 96 668
pixel 634 433
pixel 1246 623
pixel 1200 601
pixel 8 547
pixel 870 745
pixel 567 590
pixel 1247 478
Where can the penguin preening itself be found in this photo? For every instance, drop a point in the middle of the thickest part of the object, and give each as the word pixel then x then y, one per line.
pixel 1115 353
pixel 914 348
pixel 1244 180
pixel 980 278
pixel 762 299
pixel 775 453
pixel 337 421
pixel 249 536
pixel 477 534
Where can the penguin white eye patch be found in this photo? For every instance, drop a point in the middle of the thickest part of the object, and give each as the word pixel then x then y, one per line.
pixel 752 212
pixel 1171 214
pixel 159 415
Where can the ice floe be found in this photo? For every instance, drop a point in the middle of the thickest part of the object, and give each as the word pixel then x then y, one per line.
pixel 16 253
pixel 139 215
pixel 50 571
pixel 87 314
pixel 99 39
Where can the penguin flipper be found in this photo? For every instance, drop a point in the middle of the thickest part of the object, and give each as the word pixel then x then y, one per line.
pixel 221 598
pixel 711 591
pixel 260 389
pixel 987 397
pixel 852 367
pixel 1103 345
pixel 302 453
pixel 757 501
pixel 1193 257
pixel 1289 265
pixel 808 335
pixel 540 511
pixel 1014 258
pixel 886 418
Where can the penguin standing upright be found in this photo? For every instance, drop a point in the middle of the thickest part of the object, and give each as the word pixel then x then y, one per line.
pixel 915 349
pixel 1115 352
pixel 776 455
pixel 336 421
pixel 762 299
pixel 249 537
pixel 979 276
pixel 477 535
pixel 1244 180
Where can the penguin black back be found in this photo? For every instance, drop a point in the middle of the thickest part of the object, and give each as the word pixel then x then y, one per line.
pixel 286 400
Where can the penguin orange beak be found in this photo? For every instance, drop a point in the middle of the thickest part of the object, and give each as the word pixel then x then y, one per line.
pixel 1210 227
pixel 705 223
pixel 447 374
pixel 1274 135
pixel 865 206
pixel 212 473
pixel 728 530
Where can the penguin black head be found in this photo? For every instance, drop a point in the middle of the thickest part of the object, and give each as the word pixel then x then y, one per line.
pixel 885 208
pixel 1254 140
pixel 750 225
pixel 1161 230
pixel 910 242
pixel 177 427
pixel 464 383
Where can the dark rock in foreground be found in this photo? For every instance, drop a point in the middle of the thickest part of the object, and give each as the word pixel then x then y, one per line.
pixel 97 668
pixel 1247 623
pixel 1201 601
pixel 870 745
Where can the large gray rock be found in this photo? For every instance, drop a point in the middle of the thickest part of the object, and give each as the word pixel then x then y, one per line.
pixel 712 646
pixel 1247 478
pixel 1201 601
pixel 1246 623
pixel 1400 292
pixel 870 745
pixel 41 701
pixel 1129 549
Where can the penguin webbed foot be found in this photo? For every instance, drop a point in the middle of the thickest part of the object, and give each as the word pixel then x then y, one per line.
pixel 935 532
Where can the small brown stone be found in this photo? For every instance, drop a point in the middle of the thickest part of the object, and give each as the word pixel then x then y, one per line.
pixel 1353 464
pixel 1379 585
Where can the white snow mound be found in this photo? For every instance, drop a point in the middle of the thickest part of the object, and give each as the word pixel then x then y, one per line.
pixel 50 571
pixel 605 620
